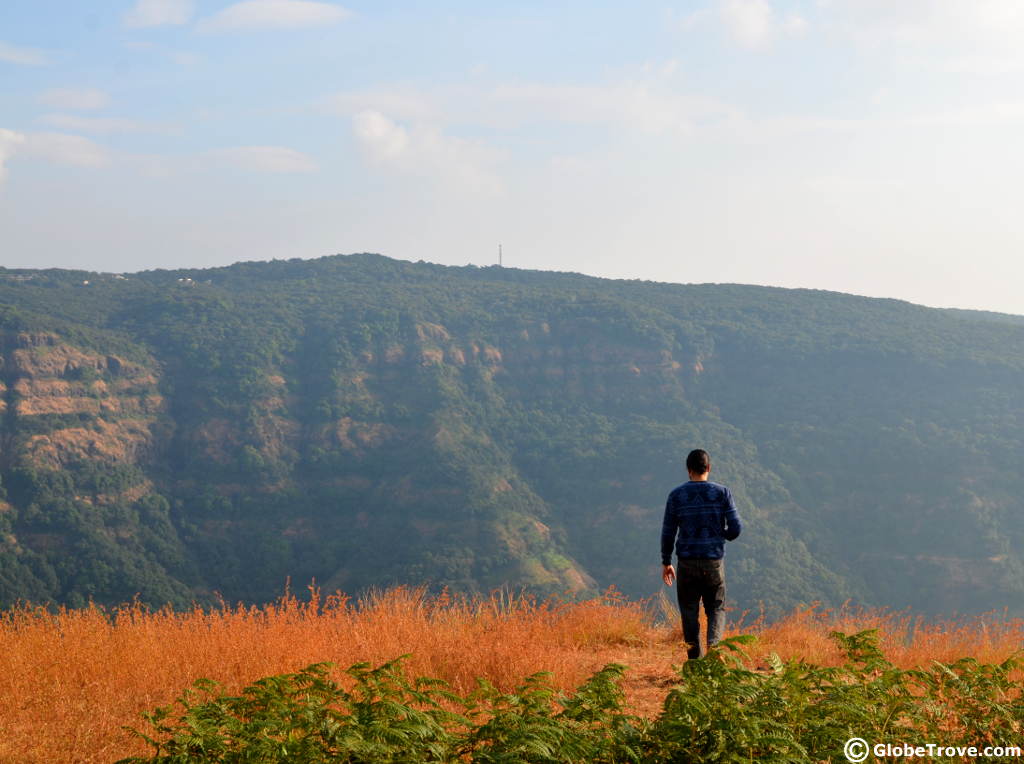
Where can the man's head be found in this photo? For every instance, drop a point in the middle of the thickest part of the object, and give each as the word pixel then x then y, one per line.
pixel 698 463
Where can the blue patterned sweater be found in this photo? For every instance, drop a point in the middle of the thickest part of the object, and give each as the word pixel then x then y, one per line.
pixel 700 517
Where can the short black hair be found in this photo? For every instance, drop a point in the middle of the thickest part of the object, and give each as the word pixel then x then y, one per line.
pixel 698 462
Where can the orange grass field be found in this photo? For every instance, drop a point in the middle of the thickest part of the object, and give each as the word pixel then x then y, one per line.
pixel 70 680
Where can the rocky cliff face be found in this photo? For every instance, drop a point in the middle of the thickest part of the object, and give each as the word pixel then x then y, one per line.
pixel 64 404
pixel 80 441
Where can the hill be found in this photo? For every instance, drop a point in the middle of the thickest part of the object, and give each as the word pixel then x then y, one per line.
pixel 369 422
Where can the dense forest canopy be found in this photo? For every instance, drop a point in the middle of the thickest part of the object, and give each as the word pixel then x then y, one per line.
pixel 363 421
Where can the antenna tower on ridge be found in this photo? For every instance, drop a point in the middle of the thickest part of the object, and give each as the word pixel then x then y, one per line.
pixel 499 256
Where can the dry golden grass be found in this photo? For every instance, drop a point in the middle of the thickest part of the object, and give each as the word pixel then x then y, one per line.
pixel 70 680
pixel 907 640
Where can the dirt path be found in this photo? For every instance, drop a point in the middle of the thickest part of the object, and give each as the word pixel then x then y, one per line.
pixel 653 669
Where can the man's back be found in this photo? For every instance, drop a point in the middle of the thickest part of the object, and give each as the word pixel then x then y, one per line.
pixel 700 517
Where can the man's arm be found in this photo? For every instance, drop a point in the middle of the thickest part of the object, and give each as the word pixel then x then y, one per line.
pixel 733 526
pixel 669 527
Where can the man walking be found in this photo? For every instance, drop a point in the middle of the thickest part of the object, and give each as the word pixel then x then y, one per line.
pixel 700 517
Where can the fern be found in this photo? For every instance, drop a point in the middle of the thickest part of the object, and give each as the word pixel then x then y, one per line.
pixel 720 711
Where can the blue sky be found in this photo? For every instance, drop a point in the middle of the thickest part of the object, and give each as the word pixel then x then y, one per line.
pixel 865 146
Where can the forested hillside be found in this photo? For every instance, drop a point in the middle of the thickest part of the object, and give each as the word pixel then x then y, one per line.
pixel 365 422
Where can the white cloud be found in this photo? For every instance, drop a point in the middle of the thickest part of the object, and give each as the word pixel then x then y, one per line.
pixel 382 137
pixel 9 143
pixel 104 124
pixel 264 14
pixel 71 98
pixel 156 13
pixel 794 25
pixel 983 115
pixel 60 148
pixel 986 64
pixel 278 159
pixel 426 151
pixel 749 21
pixel 666 68
pixel 649 103
pixel 403 102
pixel 919 124
pixel 919 20
pixel 646 105
pixel 689 20
pixel 976 37
pixel 268 159
pixel 24 56
pixel 852 185
pixel 755 24
pixel 63 148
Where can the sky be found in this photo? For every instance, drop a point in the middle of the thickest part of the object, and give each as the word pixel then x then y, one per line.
pixel 866 146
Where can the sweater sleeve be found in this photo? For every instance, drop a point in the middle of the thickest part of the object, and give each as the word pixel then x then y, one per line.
pixel 669 527
pixel 733 526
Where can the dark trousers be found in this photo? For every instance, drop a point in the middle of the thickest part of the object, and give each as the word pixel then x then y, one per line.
pixel 698 580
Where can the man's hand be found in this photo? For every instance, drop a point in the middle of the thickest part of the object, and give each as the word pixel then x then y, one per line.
pixel 668 575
